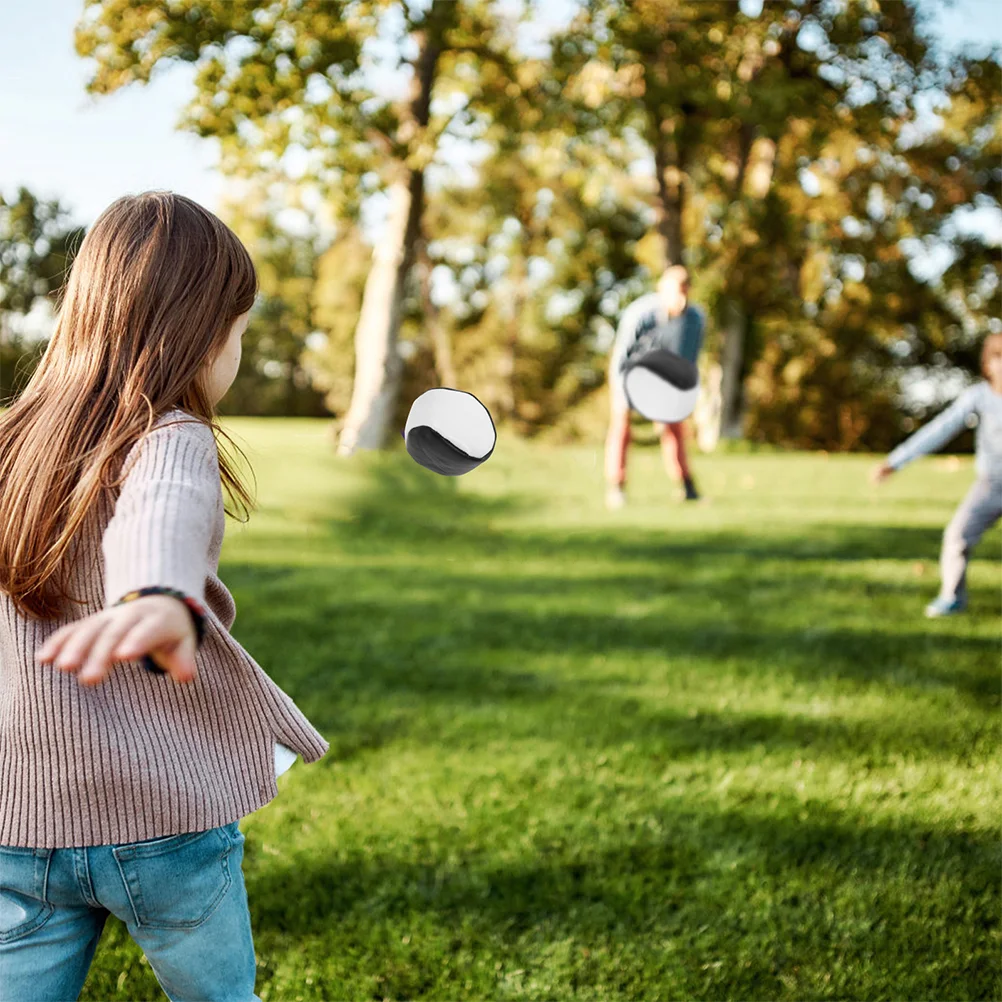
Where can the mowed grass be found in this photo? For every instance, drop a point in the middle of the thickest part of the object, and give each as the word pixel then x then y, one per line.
pixel 677 751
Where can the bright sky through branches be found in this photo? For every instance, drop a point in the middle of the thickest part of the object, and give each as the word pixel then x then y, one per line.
pixel 59 142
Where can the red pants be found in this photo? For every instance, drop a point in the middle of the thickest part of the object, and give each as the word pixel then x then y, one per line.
pixel 618 441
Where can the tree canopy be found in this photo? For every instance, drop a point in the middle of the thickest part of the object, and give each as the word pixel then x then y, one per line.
pixel 803 161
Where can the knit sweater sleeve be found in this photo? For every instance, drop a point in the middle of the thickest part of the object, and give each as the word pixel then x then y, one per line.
pixel 160 531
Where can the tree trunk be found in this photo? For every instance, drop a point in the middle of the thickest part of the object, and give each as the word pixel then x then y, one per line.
pixel 378 365
pixel 440 341
pixel 513 308
pixel 756 159
pixel 291 383
pixel 731 360
pixel 671 188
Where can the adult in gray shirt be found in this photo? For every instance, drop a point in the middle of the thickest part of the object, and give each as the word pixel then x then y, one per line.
pixel 664 319
pixel 982 507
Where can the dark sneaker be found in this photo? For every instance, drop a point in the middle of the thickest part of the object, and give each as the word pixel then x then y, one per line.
pixel 691 494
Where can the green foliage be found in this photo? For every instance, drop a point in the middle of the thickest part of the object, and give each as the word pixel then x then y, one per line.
pixel 540 203
pixel 336 299
pixel 807 392
pixel 273 378
pixel 268 75
pixel 37 240
pixel 275 75
pixel 733 110
pixel 540 253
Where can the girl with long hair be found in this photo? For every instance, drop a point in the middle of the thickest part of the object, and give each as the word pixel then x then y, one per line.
pixel 135 731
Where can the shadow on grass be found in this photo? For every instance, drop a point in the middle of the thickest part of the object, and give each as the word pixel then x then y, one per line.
pixel 385 653
pixel 582 718
pixel 399 669
pixel 398 501
pixel 777 842
pixel 772 882
pixel 435 635
pixel 430 631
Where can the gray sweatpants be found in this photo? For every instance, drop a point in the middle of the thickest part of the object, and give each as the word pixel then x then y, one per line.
pixel 978 512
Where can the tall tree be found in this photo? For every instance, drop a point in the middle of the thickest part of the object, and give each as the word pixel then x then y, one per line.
pixel 278 75
pixel 711 91
pixel 735 110
pixel 535 239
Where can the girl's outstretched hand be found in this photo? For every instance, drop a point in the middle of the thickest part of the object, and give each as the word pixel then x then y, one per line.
pixel 881 472
pixel 158 625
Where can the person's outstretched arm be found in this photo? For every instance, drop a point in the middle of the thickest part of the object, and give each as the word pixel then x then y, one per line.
pixel 158 537
pixel 626 338
pixel 935 434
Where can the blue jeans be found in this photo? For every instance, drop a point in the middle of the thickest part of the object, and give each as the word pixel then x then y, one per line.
pixel 182 899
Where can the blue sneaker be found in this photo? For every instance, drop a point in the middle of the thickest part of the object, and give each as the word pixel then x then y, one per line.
pixel 941 606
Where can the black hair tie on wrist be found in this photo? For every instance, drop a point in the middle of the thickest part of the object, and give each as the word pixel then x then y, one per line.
pixel 195 608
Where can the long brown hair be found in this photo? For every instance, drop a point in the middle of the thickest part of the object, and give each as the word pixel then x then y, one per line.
pixel 150 299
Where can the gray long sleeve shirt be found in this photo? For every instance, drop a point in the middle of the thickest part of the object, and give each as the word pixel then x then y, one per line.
pixel 645 320
pixel 979 401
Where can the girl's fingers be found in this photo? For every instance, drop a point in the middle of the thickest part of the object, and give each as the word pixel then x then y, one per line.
pixel 138 640
pixel 78 641
pixel 121 634
pixel 55 641
pixel 100 658
pixel 179 660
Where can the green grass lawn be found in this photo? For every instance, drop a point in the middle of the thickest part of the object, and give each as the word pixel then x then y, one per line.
pixel 677 751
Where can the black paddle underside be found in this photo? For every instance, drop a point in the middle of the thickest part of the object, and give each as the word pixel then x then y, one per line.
pixel 672 368
pixel 427 447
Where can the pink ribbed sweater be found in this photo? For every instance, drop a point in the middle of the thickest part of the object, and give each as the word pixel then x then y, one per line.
pixel 139 756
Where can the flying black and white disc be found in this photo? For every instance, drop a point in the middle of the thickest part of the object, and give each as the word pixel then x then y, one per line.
pixel 662 386
pixel 449 431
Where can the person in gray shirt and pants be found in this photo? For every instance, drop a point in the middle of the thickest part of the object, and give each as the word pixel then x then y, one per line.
pixel 982 507
pixel 667 320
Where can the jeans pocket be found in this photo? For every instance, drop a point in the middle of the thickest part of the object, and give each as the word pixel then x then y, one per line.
pixel 23 907
pixel 178 881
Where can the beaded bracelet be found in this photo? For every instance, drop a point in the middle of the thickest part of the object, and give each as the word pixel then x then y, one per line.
pixel 195 608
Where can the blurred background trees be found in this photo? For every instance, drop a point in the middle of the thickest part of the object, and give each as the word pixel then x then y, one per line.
pixel 793 172
pixel 443 192
pixel 274 377
pixel 37 239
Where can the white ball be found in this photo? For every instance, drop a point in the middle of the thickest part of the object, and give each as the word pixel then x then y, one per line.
pixel 449 431
pixel 662 387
